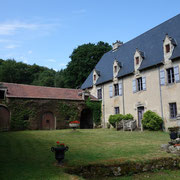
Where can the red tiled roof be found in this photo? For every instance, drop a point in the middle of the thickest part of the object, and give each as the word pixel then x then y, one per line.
pixel 31 91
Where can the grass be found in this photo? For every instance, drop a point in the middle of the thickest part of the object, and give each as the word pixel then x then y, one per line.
pixel 27 155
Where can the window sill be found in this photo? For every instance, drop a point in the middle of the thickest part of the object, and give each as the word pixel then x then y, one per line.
pixel 173 119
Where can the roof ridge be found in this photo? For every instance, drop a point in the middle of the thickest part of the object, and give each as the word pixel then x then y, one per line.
pixel 40 86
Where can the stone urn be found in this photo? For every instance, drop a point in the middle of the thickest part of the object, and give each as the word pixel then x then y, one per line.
pixel 173 132
pixel 59 153
pixel 74 124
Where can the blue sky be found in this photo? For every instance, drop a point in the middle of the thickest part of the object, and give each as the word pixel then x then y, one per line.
pixel 45 32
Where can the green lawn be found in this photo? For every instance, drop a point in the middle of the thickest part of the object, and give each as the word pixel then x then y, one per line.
pixel 27 155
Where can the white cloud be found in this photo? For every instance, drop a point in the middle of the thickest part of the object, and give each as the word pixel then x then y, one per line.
pixel 81 11
pixel 11 46
pixel 11 27
pixel 51 60
pixel 29 52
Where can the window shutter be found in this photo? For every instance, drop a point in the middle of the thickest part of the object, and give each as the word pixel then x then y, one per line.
pixel 144 83
pixel 134 85
pixel 110 91
pixel 162 77
pixel 120 89
pixel 176 73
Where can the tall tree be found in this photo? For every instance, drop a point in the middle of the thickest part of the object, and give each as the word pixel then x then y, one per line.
pixel 83 60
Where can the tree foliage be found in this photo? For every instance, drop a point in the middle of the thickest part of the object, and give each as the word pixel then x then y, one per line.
pixel 83 60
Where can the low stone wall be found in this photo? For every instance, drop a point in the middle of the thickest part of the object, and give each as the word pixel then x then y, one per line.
pixel 126 168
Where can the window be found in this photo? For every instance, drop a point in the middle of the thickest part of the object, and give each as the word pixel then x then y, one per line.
pixel 173 110
pixel 167 48
pixel 99 93
pixel 94 77
pixel 2 94
pixel 137 60
pixel 139 84
pixel 170 75
pixel 115 69
pixel 116 89
pixel 116 110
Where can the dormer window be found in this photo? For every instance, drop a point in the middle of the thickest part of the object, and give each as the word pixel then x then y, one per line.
pixel 115 69
pixel 137 60
pixel 2 94
pixel 94 77
pixel 167 48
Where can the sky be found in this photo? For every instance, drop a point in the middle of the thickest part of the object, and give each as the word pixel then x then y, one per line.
pixel 46 32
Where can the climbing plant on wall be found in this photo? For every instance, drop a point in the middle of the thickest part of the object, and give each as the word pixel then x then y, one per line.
pixel 21 112
pixel 95 107
pixel 69 111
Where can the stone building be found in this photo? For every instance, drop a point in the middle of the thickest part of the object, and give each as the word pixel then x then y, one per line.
pixel 141 75
pixel 38 107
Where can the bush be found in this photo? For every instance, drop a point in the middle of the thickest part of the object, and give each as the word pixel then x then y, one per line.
pixel 113 119
pixel 152 121
pixel 128 117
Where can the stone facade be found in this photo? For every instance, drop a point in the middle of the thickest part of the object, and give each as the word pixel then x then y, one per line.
pixel 142 74
pixel 34 107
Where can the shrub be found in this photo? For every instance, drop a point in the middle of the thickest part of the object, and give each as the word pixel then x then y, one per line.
pixel 113 119
pixel 152 121
pixel 128 117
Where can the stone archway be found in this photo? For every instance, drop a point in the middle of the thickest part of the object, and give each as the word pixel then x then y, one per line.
pixel 4 118
pixel 86 121
pixel 48 121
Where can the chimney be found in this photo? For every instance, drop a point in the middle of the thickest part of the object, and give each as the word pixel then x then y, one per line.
pixel 116 45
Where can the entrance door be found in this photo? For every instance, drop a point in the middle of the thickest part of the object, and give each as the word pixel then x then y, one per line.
pixel 48 121
pixel 86 121
pixel 4 119
pixel 140 115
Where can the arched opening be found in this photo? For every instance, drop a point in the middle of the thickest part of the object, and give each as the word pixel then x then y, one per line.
pixel 48 121
pixel 4 118
pixel 86 121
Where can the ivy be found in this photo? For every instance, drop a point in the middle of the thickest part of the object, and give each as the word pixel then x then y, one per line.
pixel 70 112
pixel 21 113
pixel 95 107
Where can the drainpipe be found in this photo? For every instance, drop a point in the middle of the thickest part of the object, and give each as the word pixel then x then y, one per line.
pixel 103 108
pixel 161 102
pixel 123 96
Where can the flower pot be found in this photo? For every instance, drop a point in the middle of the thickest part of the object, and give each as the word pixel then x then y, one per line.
pixel 173 135
pixel 74 125
pixel 59 153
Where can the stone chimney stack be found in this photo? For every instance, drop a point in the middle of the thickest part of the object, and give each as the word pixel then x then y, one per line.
pixel 116 45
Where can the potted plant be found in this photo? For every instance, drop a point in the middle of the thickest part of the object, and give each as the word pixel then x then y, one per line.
pixel 173 132
pixel 59 151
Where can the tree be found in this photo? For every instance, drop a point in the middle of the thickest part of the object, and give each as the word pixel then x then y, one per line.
pixel 83 60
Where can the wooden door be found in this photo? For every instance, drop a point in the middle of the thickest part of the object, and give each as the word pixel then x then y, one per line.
pixel 140 115
pixel 48 121
pixel 4 119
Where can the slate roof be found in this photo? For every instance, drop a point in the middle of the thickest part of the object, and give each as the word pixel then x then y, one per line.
pixel 41 92
pixel 150 43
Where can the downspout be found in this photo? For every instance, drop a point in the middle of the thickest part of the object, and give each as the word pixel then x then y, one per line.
pixel 103 109
pixel 161 102
pixel 123 96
